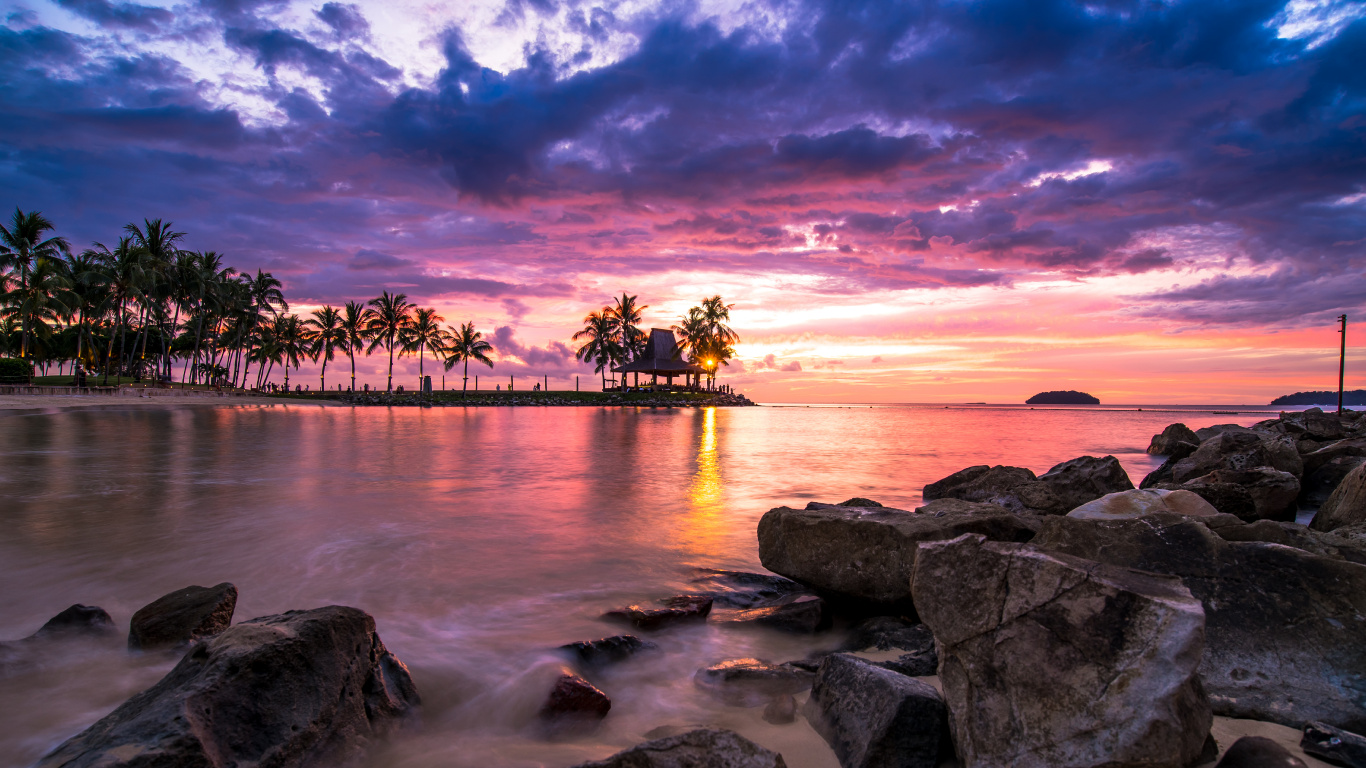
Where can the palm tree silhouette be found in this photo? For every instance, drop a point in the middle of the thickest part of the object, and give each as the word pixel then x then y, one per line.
pixel 423 333
pixel 603 345
pixel 464 344
pixel 391 317
pixel 292 337
pixel 327 335
pixel 21 247
pixel 264 296
pixel 355 322
pixel 626 315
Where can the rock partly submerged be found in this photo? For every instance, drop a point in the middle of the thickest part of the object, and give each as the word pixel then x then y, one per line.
pixel 1053 661
pixel 679 609
pixel 177 619
pixel 751 682
pixel 701 748
pixel 300 689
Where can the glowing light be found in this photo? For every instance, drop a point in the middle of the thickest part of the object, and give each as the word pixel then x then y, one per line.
pixel 1091 169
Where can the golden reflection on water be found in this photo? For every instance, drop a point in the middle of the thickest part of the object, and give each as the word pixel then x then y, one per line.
pixel 705 522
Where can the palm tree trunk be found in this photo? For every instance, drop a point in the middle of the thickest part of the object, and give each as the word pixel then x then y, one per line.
pixel 464 386
pixel 390 385
pixel 322 375
pixel 351 352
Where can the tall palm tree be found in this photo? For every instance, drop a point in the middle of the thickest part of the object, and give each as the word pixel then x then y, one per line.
pixel 627 315
pixel 464 344
pixel 21 247
pixel 265 299
pixel 125 277
pixel 423 332
pixel 355 323
pixel 292 337
pixel 602 345
pixel 721 338
pixel 693 334
pixel 161 246
pixel 391 317
pixel 42 300
pixel 326 335
pixel 89 287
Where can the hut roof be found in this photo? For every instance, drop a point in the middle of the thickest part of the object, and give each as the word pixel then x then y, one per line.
pixel 661 355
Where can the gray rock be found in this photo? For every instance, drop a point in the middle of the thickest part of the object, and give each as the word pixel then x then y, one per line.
pixel 1346 505
pixel 1205 433
pixel 1274 494
pixel 1297 536
pixel 573 697
pixel 304 688
pixel 680 609
pixel 1354 447
pixel 807 614
pixel 884 633
pixel 1050 660
pixel 702 748
pixel 1259 752
pixel 751 682
pixel 1065 486
pixel 183 616
pixel 922 664
pixel 1238 451
pixel 1086 478
pixel 876 718
pixel 1334 744
pixel 742 589
pixel 867 555
pixel 1175 439
pixel 607 650
pixel 1162 476
pixel 77 621
pixel 1285 629
pixel 1227 498
pixel 1319 484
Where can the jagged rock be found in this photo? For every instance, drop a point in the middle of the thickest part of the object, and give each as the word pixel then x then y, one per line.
pixel 941 507
pixel 884 633
pixel 805 615
pixel 77 621
pixel 876 718
pixel 751 682
pixel 1274 493
pixel 1316 424
pixel 1285 629
pixel 702 748
pixel 1057 491
pixel 781 710
pixel 1086 478
pixel 742 589
pixel 1352 447
pixel 1175 439
pixel 922 664
pixel 867 554
pixel 1238 451
pixel 183 616
pixel 1259 752
pixel 1051 660
pixel 1130 504
pixel 1205 433
pixel 1319 484
pixel 1162 476
pixel 1227 498
pixel 1346 505
pixel 573 697
pixel 304 688
pixel 1334 744
pixel 1297 536
pixel 681 609
pixel 608 650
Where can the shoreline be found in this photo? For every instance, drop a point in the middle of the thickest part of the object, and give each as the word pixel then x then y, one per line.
pixel 36 405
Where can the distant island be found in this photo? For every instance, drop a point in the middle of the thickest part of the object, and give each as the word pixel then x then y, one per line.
pixel 1353 397
pixel 1065 397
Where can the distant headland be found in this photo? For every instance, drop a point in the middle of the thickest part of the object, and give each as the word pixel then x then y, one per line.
pixel 1353 397
pixel 1063 397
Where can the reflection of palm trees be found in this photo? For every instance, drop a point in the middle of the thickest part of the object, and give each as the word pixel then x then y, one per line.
pixel 602 345
pixel 464 344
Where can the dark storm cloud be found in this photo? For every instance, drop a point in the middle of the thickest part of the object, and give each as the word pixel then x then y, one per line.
pixel 730 148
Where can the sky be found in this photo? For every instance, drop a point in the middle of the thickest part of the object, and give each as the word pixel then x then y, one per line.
pixel 1154 202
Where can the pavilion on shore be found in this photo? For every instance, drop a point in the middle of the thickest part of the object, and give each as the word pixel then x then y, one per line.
pixel 662 358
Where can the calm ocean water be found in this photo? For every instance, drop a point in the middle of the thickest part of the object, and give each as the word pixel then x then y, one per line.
pixel 478 539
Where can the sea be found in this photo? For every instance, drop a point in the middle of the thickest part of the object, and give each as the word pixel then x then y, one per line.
pixel 480 539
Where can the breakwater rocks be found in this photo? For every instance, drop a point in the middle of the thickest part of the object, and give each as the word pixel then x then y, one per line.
pixel 547 399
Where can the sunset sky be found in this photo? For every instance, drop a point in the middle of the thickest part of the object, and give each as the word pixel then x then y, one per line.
pixel 1155 202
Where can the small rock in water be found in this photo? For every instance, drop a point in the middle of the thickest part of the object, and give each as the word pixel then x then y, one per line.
pixel 573 696
pixel 1259 752
pixel 781 710
pixel 742 589
pixel 679 609
pixel 1335 744
pixel 805 615
pixel 885 633
pixel 751 682
pixel 304 688
pixel 875 718
pixel 702 748
pixel 607 650
pixel 182 617
pixel 77 621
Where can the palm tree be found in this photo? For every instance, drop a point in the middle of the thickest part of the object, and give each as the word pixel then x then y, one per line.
pixel 292 337
pixel 355 324
pixel 160 245
pixel 265 296
pixel 44 298
pixel 125 277
pixel 603 345
pixel 423 332
pixel 626 315
pixel 390 318
pixel 327 335
pixel 464 344
pixel 21 248
pixel 693 334
pixel 89 288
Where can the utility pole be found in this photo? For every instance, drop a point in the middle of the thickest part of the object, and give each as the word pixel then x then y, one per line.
pixel 1342 359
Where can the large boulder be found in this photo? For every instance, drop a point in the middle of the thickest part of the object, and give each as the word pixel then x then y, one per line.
pixel 1285 629
pixel 1346 505
pixel 183 616
pixel 1228 498
pixel 1176 440
pixel 1057 491
pixel 1275 494
pixel 1051 660
pixel 873 717
pixel 1126 505
pixel 1086 478
pixel 1315 424
pixel 1298 536
pixel 304 688
pixel 1351 447
pixel 702 748
pixel 1238 451
pixel 867 555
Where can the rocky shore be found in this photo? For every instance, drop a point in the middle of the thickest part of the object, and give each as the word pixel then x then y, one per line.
pixel 1061 620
